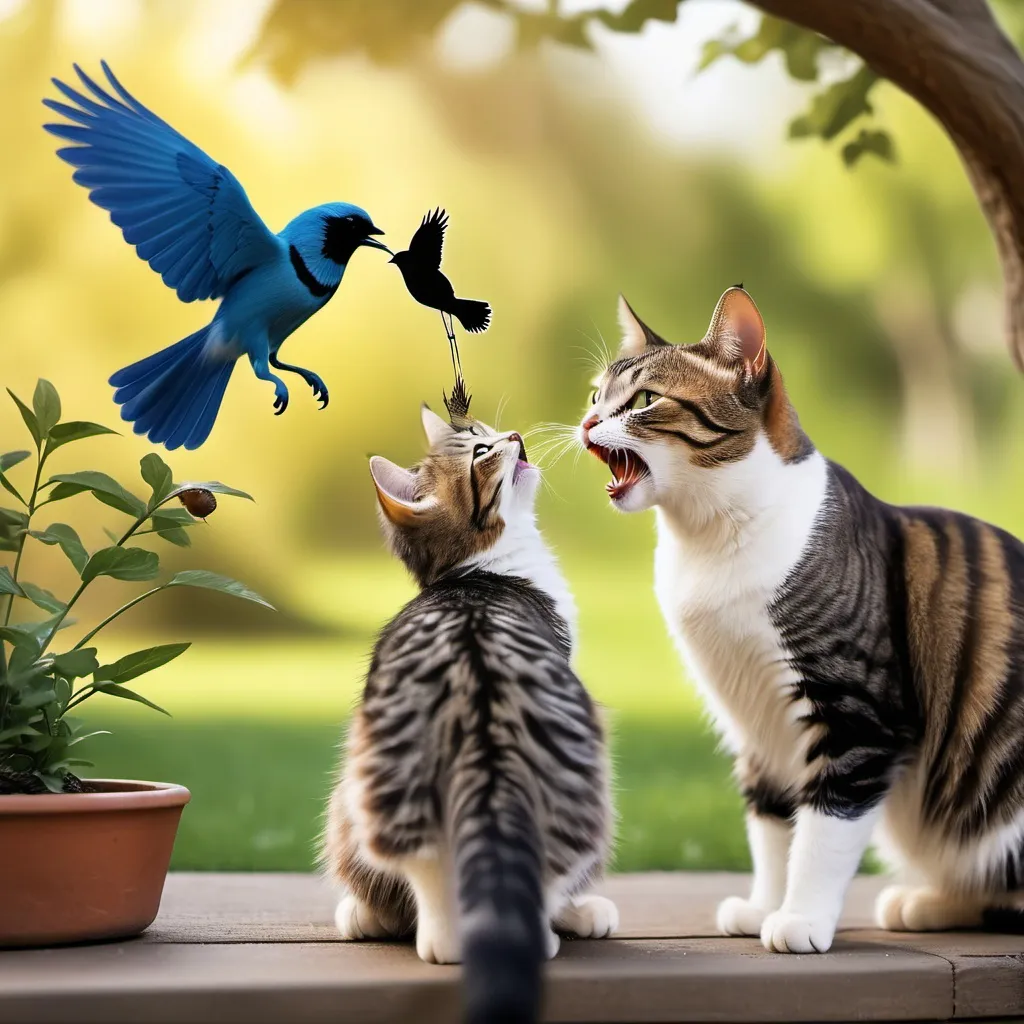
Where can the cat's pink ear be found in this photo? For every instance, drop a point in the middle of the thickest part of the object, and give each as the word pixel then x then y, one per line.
pixel 436 429
pixel 738 331
pixel 636 335
pixel 396 492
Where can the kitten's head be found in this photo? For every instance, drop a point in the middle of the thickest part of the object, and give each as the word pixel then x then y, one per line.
pixel 680 423
pixel 473 484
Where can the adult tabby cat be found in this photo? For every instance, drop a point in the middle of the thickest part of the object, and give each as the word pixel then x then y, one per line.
pixel 474 802
pixel 863 662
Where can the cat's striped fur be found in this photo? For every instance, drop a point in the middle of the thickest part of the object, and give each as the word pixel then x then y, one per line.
pixel 864 662
pixel 473 805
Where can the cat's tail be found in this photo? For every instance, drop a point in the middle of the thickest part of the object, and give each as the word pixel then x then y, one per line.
pixel 504 927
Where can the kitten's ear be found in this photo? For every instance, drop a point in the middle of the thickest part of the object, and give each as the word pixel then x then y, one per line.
pixel 396 492
pixel 737 330
pixel 636 335
pixel 436 429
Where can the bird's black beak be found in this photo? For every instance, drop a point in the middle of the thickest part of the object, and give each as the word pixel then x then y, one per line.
pixel 372 242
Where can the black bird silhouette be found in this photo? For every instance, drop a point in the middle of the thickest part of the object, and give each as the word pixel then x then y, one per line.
pixel 420 265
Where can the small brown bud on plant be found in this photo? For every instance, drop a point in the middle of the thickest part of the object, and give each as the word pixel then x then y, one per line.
pixel 199 502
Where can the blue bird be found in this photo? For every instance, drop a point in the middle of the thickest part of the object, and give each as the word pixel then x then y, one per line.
pixel 190 219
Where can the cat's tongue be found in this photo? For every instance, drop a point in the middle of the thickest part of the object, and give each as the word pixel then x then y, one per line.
pixel 627 469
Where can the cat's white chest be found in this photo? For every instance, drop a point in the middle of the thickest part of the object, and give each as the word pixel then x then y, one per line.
pixel 715 600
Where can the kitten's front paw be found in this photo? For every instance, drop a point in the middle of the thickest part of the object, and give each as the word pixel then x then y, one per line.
pixel 553 944
pixel 785 932
pixel 437 942
pixel 737 916
pixel 902 908
pixel 589 917
pixel 356 921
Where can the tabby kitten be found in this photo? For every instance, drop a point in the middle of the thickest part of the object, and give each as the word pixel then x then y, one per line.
pixel 863 662
pixel 473 804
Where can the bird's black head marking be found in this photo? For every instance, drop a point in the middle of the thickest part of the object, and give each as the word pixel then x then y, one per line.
pixel 343 235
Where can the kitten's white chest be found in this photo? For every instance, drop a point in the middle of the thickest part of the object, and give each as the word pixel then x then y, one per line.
pixel 715 599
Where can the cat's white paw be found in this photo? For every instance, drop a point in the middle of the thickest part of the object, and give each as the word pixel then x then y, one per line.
pixel 901 908
pixel 553 943
pixel 437 941
pixel 786 932
pixel 356 921
pixel 737 916
pixel 589 917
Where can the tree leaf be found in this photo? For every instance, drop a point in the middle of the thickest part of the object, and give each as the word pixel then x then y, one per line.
pixel 65 536
pixel 106 489
pixel 46 403
pixel 7 584
pixel 157 474
pixel 116 690
pixel 75 664
pixel 74 430
pixel 175 535
pixel 213 581
pixel 878 142
pixel 42 598
pixel 836 107
pixel 88 736
pixel 21 637
pixel 140 662
pixel 122 564
pixel 12 526
pixel 29 417
pixel 10 459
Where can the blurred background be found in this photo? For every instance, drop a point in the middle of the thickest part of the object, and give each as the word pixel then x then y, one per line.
pixel 571 173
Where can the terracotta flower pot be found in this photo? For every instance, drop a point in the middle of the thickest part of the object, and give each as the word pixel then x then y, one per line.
pixel 80 866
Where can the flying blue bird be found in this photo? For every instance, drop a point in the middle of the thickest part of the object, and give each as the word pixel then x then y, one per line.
pixel 190 219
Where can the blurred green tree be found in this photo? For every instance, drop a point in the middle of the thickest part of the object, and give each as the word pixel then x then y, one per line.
pixel 952 56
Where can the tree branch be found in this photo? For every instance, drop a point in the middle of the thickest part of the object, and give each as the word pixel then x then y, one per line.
pixel 953 58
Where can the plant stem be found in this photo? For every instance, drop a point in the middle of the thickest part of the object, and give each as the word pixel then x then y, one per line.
pixel 40 459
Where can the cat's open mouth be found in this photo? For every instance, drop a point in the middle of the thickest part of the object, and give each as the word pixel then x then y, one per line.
pixel 522 464
pixel 627 469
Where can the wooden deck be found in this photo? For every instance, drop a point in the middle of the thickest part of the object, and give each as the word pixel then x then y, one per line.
pixel 261 948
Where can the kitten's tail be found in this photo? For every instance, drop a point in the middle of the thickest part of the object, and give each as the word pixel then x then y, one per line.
pixel 501 905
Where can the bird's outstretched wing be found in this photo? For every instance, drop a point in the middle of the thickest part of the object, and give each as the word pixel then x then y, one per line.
pixel 426 244
pixel 187 216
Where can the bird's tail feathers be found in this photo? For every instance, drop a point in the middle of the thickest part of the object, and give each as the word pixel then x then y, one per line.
pixel 174 395
pixel 473 314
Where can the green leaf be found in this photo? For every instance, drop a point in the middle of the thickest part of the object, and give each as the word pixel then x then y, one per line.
pixel 29 417
pixel 212 581
pixel 62 491
pixel 122 691
pixel 7 584
pixel 878 142
pixel 137 664
pixel 16 732
pixel 157 474
pixel 12 526
pixel 20 637
pixel 175 535
pixel 800 48
pixel 122 564
pixel 65 536
pixel 75 664
pixel 12 459
pixel 46 403
pixel 53 782
pixel 74 430
pixel 836 107
pixel 105 489
pixel 88 736
pixel 42 598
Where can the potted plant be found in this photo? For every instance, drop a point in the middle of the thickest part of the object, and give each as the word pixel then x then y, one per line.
pixel 81 859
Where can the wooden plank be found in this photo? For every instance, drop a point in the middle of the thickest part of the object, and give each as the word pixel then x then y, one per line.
pixel 635 981
pixel 299 908
pixel 988 986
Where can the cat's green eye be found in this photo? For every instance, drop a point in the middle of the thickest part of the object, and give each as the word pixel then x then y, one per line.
pixel 593 397
pixel 648 398
pixel 480 449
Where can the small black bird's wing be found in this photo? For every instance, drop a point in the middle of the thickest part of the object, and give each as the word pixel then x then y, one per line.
pixel 428 241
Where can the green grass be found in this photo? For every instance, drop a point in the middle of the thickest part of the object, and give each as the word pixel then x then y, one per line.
pixel 259 787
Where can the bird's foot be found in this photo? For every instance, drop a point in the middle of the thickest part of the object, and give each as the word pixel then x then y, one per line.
pixel 280 400
pixel 319 388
